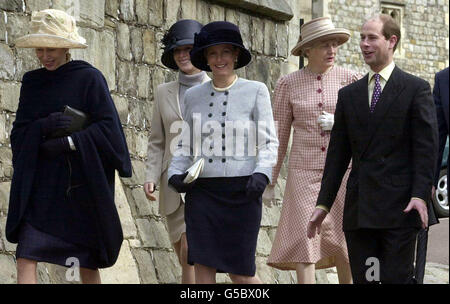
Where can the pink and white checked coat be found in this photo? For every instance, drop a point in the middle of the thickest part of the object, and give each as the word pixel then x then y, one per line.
pixel 299 99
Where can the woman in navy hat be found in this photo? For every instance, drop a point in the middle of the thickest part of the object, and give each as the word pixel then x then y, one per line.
pixel 239 147
pixel 168 108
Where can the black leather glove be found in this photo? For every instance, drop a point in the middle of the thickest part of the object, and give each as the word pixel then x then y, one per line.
pixel 54 147
pixel 256 185
pixel 176 181
pixel 55 121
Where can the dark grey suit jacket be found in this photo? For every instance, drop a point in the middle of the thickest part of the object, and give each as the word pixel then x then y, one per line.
pixel 440 93
pixel 393 152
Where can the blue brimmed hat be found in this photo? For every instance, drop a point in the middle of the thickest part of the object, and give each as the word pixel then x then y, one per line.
pixel 214 33
pixel 180 33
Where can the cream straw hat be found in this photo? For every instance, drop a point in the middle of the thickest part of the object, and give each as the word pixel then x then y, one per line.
pixel 318 28
pixel 53 29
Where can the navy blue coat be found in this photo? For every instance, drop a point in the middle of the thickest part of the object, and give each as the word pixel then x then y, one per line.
pixel 440 93
pixel 72 195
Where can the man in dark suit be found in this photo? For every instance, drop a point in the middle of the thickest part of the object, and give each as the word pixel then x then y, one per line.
pixel 440 94
pixel 386 124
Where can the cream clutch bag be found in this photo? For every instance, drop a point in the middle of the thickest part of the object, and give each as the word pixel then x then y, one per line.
pixel 194 171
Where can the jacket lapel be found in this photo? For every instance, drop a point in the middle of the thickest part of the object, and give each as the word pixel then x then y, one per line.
pixel 361 101
pixel 390 92
pixel 172 98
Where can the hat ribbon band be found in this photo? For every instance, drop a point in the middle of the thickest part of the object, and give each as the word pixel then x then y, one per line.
pixel 224 36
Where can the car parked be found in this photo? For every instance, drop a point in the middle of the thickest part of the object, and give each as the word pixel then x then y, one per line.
pixel 440 199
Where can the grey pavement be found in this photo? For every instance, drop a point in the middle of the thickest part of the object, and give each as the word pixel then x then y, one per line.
pixel 438 239
pixel 437 267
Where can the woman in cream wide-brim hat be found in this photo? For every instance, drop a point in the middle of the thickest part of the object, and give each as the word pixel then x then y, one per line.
pixel 61 207
pixel 306 101
pixel 54 32
pixel 318 30
pixel 53 29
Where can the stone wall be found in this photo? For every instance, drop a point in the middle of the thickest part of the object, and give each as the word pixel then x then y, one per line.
pixel 123 38
pixel 425 29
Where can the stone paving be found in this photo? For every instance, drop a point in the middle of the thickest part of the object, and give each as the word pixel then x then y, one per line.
pixel 434 274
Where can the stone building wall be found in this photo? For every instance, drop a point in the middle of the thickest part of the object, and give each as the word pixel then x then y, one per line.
pixel 424 47
pixel 123 38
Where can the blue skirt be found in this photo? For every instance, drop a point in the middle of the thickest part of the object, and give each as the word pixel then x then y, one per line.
pixel 38 246
pixel 222 225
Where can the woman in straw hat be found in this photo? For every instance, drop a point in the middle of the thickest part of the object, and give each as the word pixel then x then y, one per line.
pixel 306 100
pixel 168 108
pixel 223 206
pixel 61 207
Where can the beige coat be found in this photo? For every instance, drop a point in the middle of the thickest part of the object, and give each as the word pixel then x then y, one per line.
pixel 166 111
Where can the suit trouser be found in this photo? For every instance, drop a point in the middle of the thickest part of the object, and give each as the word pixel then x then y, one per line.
pixel 382 255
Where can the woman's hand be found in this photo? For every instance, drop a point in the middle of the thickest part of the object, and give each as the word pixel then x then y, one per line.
pixel 55 121
pixel 149 188
pixel 256 185
pixel 326 121
pixel 269 194
pixel 176 181
pixel 54 147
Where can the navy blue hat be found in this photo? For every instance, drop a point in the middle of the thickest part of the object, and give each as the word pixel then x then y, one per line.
pixel 180 33
pixel 214 33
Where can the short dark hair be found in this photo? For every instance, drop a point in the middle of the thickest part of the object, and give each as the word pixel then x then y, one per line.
pixel 390 28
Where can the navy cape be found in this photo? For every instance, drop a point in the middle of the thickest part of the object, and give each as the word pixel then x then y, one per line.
pixel 72 195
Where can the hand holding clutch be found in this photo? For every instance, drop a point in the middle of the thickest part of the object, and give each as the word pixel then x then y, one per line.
pixel 194 171
pixel 55 122
pixel 177 182
pixel 78 121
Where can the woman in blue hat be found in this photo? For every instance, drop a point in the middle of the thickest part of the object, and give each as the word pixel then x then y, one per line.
pixel 231 119
pixel 168 108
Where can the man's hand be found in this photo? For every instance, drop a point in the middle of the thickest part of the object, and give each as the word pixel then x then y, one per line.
pixel 315 222
pixel 149 188
pixel 421 208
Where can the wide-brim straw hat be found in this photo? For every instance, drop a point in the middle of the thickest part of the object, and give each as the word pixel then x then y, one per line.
pixel 52 28
pixel 215 33
pixel 319 29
